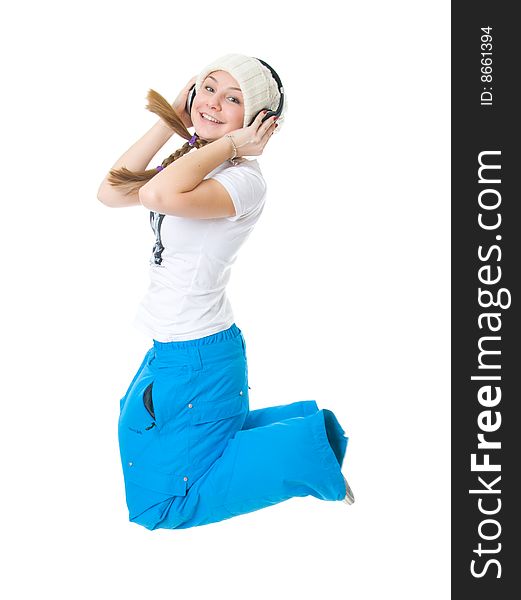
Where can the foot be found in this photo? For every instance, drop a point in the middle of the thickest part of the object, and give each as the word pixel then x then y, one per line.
pixel 349 498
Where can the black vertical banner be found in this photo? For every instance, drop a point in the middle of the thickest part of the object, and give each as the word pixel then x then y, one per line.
pixel 486 257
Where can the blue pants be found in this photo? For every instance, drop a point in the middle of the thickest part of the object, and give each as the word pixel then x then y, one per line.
pixel 193 453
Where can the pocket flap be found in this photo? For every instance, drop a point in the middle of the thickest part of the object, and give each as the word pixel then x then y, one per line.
pixel 205 412
pixel 144 477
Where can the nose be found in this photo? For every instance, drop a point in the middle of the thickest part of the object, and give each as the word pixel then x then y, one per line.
pixel 214 104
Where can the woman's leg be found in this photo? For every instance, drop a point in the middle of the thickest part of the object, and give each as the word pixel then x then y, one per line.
pixel 193 453
pixel 272 414
pixel 265 465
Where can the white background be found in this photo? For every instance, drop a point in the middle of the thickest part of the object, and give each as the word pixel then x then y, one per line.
pixel 342 293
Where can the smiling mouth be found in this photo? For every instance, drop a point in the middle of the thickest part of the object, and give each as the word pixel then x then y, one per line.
pixel 210 119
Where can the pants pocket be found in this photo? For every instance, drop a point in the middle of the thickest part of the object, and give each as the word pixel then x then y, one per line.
pixel 149 493
pixel 153 457
pixel 148 478
pixel 153 452
pixel 212 425
pixel 210 412
pixel 148 401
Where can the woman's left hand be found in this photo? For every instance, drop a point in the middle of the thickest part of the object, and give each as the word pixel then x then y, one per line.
pixel 179 104
pixel 251 140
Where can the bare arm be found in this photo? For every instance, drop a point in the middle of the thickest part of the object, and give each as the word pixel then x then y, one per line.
pixel 183 191
pixel 136 158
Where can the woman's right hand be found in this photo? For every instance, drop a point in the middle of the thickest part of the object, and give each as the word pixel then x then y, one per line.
pixel 251 140
pixel 179 104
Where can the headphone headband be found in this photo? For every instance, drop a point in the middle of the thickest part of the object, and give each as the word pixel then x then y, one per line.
pixel 278 112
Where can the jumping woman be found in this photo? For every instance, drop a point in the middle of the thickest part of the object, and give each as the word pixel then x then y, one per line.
pixel 192 452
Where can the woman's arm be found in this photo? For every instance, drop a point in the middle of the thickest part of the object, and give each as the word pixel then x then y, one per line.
pixel 136 158
pixel 180 190
pixel 187 172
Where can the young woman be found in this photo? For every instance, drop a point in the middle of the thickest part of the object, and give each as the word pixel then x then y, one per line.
pixel 192 452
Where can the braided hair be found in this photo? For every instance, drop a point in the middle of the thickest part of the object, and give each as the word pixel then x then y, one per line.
pixel 134 180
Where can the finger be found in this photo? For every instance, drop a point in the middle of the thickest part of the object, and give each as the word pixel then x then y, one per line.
pixel 268 125
pixel 266 138
pixel 267 122
pixel 257 122
pixel 271 121
pixel 267 135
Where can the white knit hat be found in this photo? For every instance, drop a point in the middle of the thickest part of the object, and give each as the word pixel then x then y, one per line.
pixel 259 88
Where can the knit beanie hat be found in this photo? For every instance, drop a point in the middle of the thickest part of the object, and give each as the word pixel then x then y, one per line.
pixel 259 88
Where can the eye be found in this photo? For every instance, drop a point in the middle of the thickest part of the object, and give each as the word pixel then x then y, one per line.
pixel 233 98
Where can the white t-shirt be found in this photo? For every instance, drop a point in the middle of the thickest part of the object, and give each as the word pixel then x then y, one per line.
pixel 192 258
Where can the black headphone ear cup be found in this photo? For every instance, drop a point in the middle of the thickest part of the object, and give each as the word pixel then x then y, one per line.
pixel 190 99
pixel 278 111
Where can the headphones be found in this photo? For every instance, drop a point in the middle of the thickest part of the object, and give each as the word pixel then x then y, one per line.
pixel 270 113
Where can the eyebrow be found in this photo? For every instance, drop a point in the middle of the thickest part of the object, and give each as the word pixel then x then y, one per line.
pixel 232 88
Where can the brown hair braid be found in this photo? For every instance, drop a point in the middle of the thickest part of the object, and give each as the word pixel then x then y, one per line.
pixel 134 180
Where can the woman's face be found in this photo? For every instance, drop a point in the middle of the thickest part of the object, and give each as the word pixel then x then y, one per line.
pixel 220 98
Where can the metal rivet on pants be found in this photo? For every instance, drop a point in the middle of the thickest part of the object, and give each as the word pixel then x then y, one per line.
pixel 240 393
pixel 185 478
pixel 130 463
pixel 189 406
